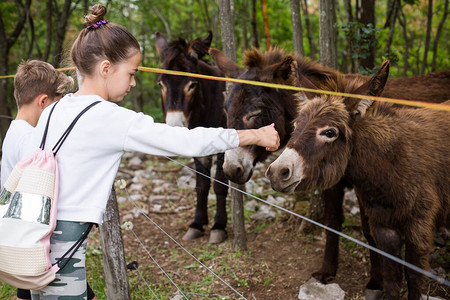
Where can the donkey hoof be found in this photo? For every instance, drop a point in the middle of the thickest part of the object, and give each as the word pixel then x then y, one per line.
pixel 374 294
pixel 217 236
pixel 192 234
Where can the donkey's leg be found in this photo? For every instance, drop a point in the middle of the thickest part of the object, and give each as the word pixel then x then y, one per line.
pixel 389 241
pixel 418 246
pixel 218 231
pixel 202 185
pixel 374 288
pixel 418 257
pixel 333 198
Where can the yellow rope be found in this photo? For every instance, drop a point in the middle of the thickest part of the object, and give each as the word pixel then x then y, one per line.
pixel 437 106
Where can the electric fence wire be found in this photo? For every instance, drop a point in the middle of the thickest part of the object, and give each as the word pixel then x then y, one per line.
pixel 154 260
pixel 146 283
pixel 439 279
pixel 179 245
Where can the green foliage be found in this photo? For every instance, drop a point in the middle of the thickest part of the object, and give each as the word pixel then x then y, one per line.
pixel 362 37
pixel 7 291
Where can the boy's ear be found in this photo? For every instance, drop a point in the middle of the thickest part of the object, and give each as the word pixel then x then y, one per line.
pixel 42 101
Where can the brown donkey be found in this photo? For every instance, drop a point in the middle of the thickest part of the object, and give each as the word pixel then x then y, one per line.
pixel 193 102
pixel 396 158
pixel 250 106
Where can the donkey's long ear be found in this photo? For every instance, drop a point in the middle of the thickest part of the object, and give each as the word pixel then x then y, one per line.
pixel 375 87
pixel 285 72
pixel 160 45
pixel 378 81
pixel 199 47
pixel 225 64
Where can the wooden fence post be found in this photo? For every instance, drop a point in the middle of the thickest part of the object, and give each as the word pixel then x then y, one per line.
pixel 115 269
pixel 237 217
pixel 229 48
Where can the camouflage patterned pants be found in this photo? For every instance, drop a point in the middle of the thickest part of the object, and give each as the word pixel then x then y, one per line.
pixel 70 282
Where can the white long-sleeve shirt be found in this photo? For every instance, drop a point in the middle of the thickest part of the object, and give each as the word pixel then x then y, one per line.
pixel 13 150
pixel 89 158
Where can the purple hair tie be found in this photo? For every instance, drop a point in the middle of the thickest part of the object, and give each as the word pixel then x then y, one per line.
pixel 97 24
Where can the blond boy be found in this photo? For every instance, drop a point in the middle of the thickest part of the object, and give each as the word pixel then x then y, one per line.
pixel 37 84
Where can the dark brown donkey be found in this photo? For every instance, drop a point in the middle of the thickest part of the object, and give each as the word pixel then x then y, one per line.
pixel 251 106
pixel 193 102
pixel 397 159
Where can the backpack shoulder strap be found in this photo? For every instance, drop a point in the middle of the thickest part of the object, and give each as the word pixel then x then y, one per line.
pixel 44 136
pixel 66 133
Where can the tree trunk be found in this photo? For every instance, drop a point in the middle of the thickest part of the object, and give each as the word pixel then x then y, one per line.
pixel 114 264
pixel 312 46
pixel 327 33
pixel 48 37
pixel 266 24
pixel 438 34
pixel 254 25
pixel 62 18
pixel 390 21
pixel 366 15
pixel 237 198
pixel 349 19
pixel 297 30
pixel 227 28
pixel 402 21
pixel 428 36
pixel 244 20
pixel 6 42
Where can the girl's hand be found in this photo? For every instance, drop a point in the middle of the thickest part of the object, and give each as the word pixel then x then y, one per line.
pixel 265 136
pixel 269 137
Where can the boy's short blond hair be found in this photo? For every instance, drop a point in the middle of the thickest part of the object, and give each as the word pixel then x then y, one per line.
pixel 35 77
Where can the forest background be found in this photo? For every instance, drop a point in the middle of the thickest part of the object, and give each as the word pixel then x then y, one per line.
pixel 413 34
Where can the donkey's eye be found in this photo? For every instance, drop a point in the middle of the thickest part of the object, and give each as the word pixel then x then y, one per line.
pixel 253 116
pixel 192 85
pixel 329 133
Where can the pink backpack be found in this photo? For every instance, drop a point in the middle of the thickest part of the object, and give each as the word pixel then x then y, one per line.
pixel 28 206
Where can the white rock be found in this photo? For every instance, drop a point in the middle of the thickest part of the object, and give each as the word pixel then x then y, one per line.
pixel 157 207
pixel 121 199
pixel 186 182
pixel 159 190
pixel 354 211
pixel 425 297
pixel 180 208
pixel 136 197
pixel 315 290
pixel 350 197
pixel 264 213
pixel 136 187
pixel 251 205
pixel 158 182
pixel 135 161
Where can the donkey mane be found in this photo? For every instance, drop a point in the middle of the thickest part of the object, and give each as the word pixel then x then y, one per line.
pixel 320 77
pixel 255 58
pixel 174 49
pixel 178 49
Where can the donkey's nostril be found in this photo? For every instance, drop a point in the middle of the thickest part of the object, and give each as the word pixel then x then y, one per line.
pixel 238 171
pixel 285 173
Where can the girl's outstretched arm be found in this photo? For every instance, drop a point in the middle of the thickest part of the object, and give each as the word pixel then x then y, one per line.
pixel 265 136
